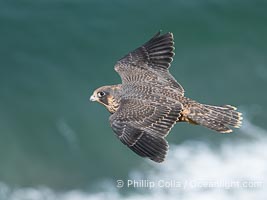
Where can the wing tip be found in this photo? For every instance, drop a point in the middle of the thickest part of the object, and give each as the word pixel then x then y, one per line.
pixel 156 53
pixel 160 50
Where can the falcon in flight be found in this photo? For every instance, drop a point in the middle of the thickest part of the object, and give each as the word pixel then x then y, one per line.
pixel 149 102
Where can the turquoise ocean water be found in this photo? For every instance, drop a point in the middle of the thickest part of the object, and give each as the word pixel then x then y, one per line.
pixel 55 144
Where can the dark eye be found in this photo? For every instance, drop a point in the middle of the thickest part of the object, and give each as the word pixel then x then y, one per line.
pixel 101 94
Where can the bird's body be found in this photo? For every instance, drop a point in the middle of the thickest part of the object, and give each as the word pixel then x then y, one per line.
pixel 149 102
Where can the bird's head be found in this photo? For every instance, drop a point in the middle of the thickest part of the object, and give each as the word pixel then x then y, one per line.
pixel 109 96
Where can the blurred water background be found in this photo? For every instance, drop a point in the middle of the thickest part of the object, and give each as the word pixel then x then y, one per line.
pixel 55 144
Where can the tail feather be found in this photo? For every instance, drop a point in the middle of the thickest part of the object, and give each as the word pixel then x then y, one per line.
pixel 218 118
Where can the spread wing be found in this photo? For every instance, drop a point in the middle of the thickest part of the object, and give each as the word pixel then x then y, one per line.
pixel 152 60
pixel 142 126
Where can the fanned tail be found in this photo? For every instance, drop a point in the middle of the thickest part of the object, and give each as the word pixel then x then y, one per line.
pixel 218 118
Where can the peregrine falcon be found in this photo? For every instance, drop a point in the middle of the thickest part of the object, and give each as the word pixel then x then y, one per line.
pixel 149 102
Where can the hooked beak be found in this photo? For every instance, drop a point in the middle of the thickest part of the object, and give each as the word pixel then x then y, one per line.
pixel 93 98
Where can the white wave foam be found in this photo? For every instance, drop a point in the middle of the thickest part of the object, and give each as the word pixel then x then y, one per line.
pixel 69 135
pixel 194 170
